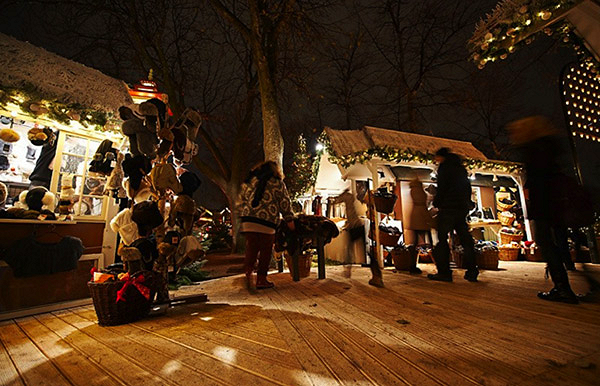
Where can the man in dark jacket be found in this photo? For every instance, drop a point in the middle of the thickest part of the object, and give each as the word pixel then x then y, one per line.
pixel 453 199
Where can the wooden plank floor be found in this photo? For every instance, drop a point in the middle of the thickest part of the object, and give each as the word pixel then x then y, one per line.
pixel 325 332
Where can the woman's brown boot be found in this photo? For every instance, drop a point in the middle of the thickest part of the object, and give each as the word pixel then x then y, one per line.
pixel 263 283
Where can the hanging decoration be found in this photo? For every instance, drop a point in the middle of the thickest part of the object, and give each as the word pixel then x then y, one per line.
pixel 388 153
pixel 581 97
pixel 514 23
pixel 33 103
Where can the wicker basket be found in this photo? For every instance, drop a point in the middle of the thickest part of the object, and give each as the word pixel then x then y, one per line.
pixel 535 256
pixel 487 259
pixel 384 204
pixel 388 239
pixel 504 207
pixel 506 218
pixel 508 254
pixel 112 313
pixel 507 238
pixel 304 264
pixel 401 259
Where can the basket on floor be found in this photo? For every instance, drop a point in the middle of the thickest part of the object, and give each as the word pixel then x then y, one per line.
pixel 304 264
pixel 533 254
pixel 112 313
pixel 508 254
pixel 507 238
pixel 487 259
pixel 388 239
pixel 506 218
pixel 401 259
pixel 384 204
pixel 504 207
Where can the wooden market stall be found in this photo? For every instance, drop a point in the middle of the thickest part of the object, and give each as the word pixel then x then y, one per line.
pixel 372 157
pixel 73 109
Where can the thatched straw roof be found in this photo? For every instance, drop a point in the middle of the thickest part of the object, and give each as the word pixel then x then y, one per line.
pixel 345 142
pixel 23 64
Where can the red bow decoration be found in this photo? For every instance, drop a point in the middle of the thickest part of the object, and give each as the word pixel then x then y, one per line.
pixel 137 282
pixel 92 272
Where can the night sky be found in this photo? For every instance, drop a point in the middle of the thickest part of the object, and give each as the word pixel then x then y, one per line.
pixel 524 84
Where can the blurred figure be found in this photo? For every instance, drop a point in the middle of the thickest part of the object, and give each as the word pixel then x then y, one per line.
pixel 453 199
pixel 263 197
pixel 536 137
pixel 419 221
pixel 355 227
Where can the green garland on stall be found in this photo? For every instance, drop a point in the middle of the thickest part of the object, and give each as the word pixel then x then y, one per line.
pixel 407 155
pixel 28 98
pixel 493 38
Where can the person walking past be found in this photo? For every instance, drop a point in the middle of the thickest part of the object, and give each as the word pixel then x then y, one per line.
pixel 453 199
pixel 355 226
pixel 419 221
pixel 536 137
pixel 263 198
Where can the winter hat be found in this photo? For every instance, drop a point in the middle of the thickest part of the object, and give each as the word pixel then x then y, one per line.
pixel 39 197
pixel 132 258
pixel 40 137
pixel 104 158
pixel 443 152
pixel 3 193
pixel 190 183
pixel 189 122
pixel 148 250
pixel 182 213
pixel 164 177
pixel 147 216
pixel 9 135
pixel 161 108
pixel 148 109
pixel 172 237
pixel 184 149
pixel 136 168
pixel 142 193
pixel 189 250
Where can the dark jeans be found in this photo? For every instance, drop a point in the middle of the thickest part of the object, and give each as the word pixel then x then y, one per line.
pixel 449 220
pixel 546 239
pixel 258 245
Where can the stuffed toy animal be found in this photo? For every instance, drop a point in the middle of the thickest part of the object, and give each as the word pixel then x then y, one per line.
pixel 163 177
pixel 114 185
pixel 65 199
pixel 132 258
pixel 9 135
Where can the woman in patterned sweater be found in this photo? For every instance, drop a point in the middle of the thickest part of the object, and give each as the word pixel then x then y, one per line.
pixel 263 198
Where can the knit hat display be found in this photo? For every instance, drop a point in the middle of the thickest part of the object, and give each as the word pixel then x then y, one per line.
pixel 147 216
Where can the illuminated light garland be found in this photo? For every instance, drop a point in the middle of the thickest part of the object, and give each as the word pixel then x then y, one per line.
pixel 388 153
pixel 36 105
pixel 584 114
pixel 504 31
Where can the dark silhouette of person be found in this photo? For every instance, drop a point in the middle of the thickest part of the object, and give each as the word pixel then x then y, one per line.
pixel 453 199
pixel 536 137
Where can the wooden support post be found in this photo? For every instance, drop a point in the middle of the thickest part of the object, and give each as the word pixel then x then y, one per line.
pixel 321 256
pixel 295 263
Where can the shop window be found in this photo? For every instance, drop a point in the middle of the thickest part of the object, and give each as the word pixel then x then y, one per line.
pixel 75 158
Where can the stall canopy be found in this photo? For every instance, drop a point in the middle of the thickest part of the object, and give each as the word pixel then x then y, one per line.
pixel 24 66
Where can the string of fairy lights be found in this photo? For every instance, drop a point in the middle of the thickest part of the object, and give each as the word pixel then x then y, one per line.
pixel 581 95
